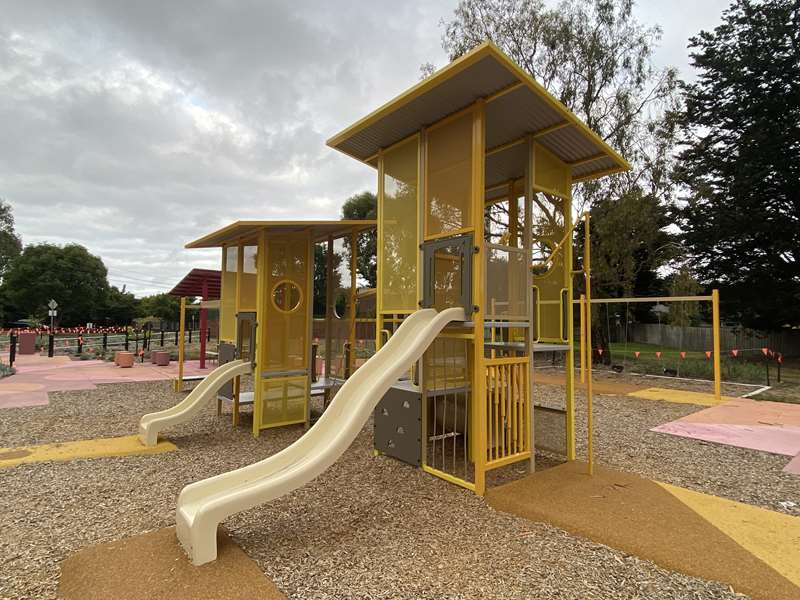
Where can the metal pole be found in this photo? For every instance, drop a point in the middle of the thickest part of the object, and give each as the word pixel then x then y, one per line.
pixel 12 350
pixel 716 333
pixel 583 337
pixel 203 326
pixel 179 379
pixel 587 273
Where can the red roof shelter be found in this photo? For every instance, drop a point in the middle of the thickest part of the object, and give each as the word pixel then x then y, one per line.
pixel 203 284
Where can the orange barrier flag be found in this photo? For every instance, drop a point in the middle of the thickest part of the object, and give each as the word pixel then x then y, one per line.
pixel 708 354
pixel 636 354
pixel 683 354
pixel 658 354
pixel 765 351
pixel 734 353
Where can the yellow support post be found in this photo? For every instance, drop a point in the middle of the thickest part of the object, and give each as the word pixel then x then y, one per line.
pixel 569 388
pixel 479 297
pixel 353 299
pixel 717 357
pixel 181 346
pixel 260 333
pixel 583 338
pixel 587 357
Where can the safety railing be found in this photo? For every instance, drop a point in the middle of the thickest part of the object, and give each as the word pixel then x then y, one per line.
pixel 507 411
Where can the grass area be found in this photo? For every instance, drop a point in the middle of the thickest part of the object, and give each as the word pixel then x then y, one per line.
pixel 750 368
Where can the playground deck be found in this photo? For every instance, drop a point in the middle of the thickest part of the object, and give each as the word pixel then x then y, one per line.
pixel 368 526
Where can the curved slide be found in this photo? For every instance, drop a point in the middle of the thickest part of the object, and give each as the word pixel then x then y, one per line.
pixel 204 504
pixel 187 409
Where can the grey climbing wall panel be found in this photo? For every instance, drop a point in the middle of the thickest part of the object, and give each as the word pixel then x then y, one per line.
pixel 398 424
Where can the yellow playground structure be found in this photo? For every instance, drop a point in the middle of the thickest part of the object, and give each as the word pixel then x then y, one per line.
pixel 475 168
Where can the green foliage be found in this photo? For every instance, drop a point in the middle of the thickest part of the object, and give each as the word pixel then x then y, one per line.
pixel 68 274
pixel 320 265
pixel 596 58
pixel 6 370
pixel 120 307
pixel 364 206
pixel 10 243
pixel 161 306
pixel 629 245
pixel 741 162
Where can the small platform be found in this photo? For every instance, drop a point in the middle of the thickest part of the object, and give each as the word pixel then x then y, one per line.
pixel 752 549
pixel 153 566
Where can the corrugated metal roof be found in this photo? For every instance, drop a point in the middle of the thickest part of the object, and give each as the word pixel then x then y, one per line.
pixel 192 284
pixel 516 106
pixel 247 232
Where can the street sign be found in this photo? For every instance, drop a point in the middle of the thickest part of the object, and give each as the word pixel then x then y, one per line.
pixel 52 305
pixel 52 313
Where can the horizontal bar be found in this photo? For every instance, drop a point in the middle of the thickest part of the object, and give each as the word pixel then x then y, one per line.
pixel 284 374
pixel 506 324
pixel 449 478
pixel 511 360
pixel 502 462
pixel 647 299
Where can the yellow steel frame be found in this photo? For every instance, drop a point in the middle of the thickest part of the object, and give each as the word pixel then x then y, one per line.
pixel 181 346
pixel 587 346
pixel 713 298
pixel 261 317
pixel 478 287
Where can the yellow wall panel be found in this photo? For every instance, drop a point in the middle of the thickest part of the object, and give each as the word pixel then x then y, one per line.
pixel 449 171
pixel 399 244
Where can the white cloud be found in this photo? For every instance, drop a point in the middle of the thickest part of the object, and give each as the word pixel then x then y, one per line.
pixel 134 127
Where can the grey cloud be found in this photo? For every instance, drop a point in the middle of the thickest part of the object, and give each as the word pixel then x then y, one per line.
pixel 133 127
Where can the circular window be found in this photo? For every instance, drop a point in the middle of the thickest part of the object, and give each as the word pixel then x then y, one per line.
pixel 286 296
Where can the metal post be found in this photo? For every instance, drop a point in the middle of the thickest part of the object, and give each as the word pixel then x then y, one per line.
pixel 105 341
pixel 203 325
pixel 583 338
pixel 716 333
pixel 51 341
pixel 162 337
pixel 587 358
pixel 127 339
pixel 328 310
pixel 179 378
pixel 12 350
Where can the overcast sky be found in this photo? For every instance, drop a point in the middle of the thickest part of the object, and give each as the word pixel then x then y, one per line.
pixel 134 127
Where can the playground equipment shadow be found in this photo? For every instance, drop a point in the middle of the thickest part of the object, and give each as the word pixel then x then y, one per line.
pixel 369 527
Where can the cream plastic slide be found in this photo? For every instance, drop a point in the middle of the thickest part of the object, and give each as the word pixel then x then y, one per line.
pixel 204 504
pixel 187 409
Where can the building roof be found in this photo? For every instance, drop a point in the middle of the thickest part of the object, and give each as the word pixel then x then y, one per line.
pixel 192 284
pixel 246 232
pixel 517 106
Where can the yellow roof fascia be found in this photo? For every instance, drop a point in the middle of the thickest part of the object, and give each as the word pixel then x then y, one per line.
pixel 203 242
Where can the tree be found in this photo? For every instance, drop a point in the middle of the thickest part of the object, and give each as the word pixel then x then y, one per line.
pixel 68 274
pixel 320 277
pixel 160 306
pixel 10 243
pixel 741 162
pixel 120 307
pixel 629 244
pixel 596 58
pixel 359 207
